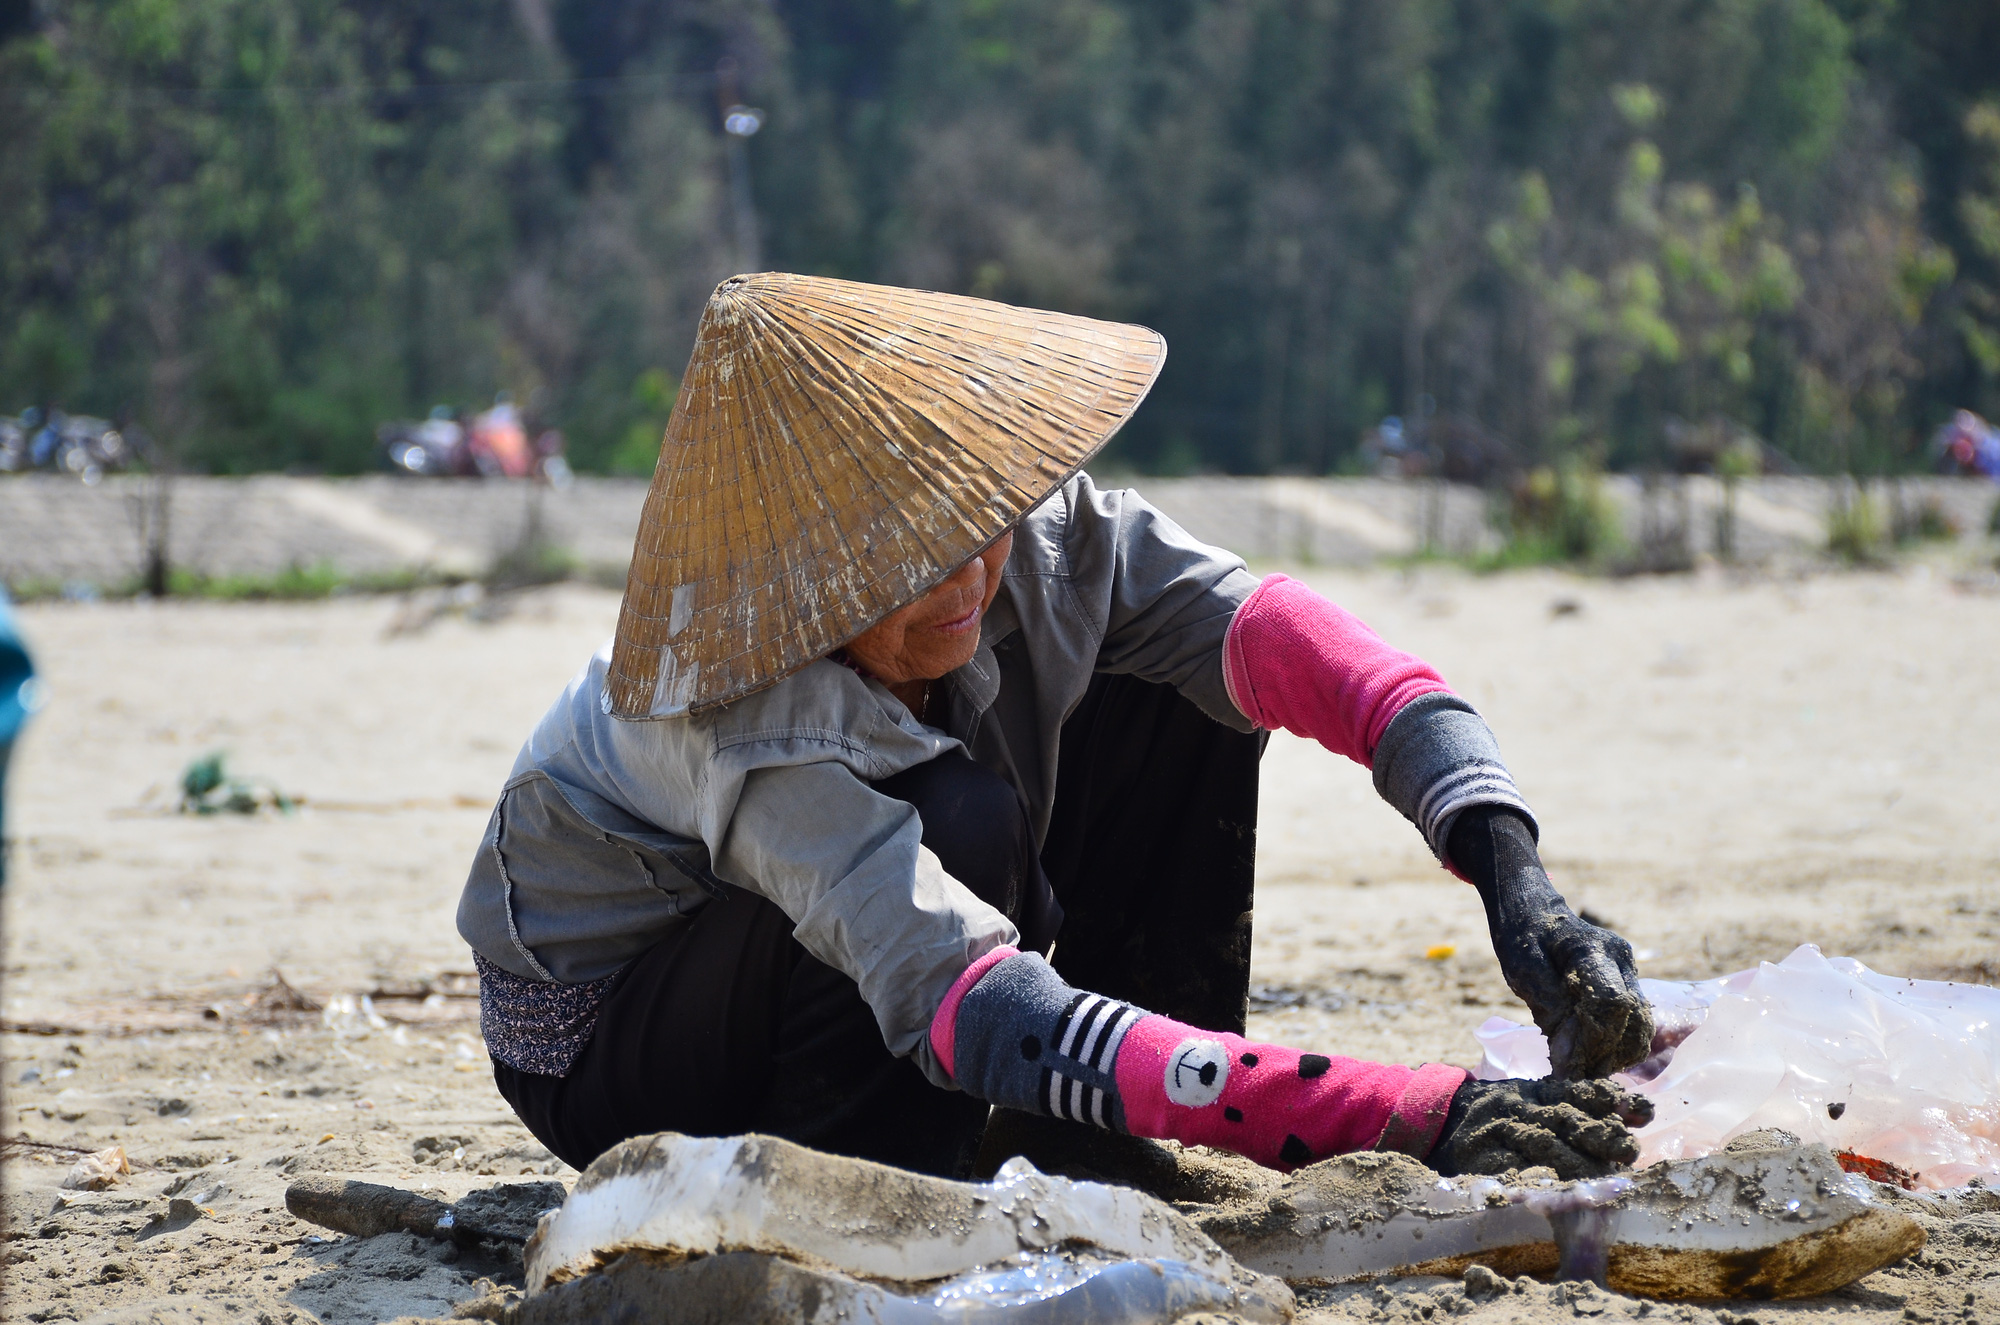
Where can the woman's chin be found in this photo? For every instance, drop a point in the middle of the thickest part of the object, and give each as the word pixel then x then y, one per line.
pixel 950 654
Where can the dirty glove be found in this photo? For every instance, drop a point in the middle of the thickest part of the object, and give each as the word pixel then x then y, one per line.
pixel 1438 763
pixel 1294 660
pixel 1013 1033
pixel 1576 978
pixel 1577 1128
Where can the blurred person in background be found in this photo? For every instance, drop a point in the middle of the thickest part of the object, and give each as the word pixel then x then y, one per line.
pixel 18 698
pixel 1967 446
pixel 900 704
pixel 497 441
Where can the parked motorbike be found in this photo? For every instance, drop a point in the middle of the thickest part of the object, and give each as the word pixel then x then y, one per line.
pixel 1448 446
pixel 433 448
pixel 492 444
pixel 76 444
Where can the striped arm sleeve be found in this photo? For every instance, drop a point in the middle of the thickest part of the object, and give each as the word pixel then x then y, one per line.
pixel 1025 1039
pixel 1438 758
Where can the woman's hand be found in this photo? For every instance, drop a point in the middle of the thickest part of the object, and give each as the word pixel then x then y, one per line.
pixel 1577 1128
pixel 1577 979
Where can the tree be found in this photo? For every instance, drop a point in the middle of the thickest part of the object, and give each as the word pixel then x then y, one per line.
pixel 1568 223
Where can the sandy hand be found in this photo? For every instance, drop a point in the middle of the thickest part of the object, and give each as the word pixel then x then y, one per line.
pixel 1596 1020
pixel 1578 1128
pixel 1576 978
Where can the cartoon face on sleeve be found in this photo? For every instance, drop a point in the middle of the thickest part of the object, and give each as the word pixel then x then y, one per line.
pixel 1036 1043
pixel 1197 1072
pixel 1270 1093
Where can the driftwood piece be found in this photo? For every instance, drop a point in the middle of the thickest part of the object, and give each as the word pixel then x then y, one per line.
pixel 367 1209
pixel 506 1213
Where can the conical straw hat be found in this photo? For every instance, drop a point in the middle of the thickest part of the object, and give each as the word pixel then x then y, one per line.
pixel 836 450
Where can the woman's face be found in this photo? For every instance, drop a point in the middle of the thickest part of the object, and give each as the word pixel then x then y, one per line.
pixel 939 632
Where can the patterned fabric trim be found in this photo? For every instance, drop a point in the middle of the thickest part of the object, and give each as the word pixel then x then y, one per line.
pixel 1438 758
pixel 536 1026
pixel 1419 1116
pixel 1089 1032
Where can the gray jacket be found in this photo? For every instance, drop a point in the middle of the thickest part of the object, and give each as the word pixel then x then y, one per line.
pixel 610 833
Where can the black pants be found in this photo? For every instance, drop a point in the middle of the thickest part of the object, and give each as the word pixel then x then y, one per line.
pixel 730 1026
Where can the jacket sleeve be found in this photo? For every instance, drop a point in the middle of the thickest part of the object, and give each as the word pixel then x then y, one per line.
pixel 848 866
pixel 1164 599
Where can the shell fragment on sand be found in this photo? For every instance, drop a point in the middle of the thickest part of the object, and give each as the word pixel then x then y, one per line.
pixel 658 1217
pixel 1762 1219
pixel 97 1171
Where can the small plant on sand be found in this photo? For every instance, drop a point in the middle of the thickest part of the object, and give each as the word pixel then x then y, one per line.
pixel 1733 464
pixel 529 564
pixel 293 583
pixel 1924 522
pixel 1854 529
pixel 532 558
pixel 208 788
pixel 1558 514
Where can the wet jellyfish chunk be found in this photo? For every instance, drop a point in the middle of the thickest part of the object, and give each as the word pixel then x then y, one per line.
pixel 827 1237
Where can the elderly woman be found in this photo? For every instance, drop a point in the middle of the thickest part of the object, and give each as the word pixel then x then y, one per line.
pixel 921 776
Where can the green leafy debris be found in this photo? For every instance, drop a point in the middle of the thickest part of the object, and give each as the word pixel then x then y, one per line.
pixel 208 788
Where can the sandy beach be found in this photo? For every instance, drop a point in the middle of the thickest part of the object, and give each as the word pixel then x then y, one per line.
pixel 1724 767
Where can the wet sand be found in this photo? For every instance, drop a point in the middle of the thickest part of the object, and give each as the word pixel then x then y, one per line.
pixel 1723 768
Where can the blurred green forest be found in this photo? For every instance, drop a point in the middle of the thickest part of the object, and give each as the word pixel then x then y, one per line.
pixel 259 227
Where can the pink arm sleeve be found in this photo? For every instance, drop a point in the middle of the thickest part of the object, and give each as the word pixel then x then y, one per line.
pixel 1292 659
pixel 1276 1105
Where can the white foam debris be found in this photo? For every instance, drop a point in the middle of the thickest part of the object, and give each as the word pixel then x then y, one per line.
pixel 1024 1240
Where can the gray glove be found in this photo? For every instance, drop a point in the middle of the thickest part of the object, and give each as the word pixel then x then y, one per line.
pixel 1577 979
pixel 1577 1128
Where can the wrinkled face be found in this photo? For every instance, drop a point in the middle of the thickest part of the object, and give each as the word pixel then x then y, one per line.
pixel 939 632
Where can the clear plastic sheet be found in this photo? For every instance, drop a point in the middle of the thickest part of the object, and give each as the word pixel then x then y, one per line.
pixel 1901 1071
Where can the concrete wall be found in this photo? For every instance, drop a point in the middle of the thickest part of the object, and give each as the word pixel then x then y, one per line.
pixel 55 531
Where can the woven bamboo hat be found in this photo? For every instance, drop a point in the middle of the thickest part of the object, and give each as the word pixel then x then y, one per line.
pixel 835 451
